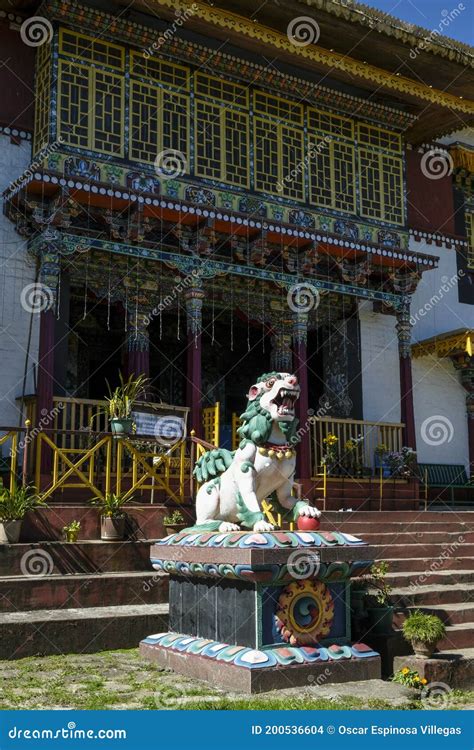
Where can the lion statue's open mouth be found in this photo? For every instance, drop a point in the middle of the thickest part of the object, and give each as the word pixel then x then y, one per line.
pixel 236 483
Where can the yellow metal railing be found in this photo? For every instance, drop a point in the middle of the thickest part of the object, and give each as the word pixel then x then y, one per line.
pixel 11 436
pixel 370 434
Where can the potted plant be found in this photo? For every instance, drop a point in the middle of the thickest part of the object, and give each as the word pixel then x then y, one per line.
pixel 174 522
pixel 71 531
pixel 330 454
pixel 402 463
pixel 120 403
pixel 424 631
pixel 112 517
pixel 14 505
pixel 378 604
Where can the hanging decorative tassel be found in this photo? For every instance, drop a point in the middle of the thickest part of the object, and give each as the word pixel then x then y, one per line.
pixel 213 312
pixel 231 314
pixel 109 292
pixel 86 281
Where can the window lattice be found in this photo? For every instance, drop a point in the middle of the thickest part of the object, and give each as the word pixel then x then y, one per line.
pixel 279 159
pixel 221 142
pixel 281 109
pixel 43 97
pixel 381 186
pixel 93 50
pixel 369 135
pixel 159 70
pixel 158 121
pixel 90 109
pixel 325 122
pixel 332 176
pixel 73 104
pixel 216 88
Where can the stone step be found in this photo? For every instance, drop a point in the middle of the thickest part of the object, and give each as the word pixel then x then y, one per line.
pixel 420 565
pixel 81 557
pixel 430 578
pixel 425 551
pixel 74 631
pixel 450 614
pixel 76 590
pixel 460 636
pixel 402 516
pixel 454 539
pixel 395 527
pixel 427 595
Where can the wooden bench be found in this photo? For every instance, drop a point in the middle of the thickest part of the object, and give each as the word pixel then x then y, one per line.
pixel 446 476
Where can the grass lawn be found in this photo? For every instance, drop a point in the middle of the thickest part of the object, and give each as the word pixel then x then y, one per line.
pixel 122 680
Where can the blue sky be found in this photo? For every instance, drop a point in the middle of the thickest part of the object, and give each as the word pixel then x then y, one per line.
pixel 429 13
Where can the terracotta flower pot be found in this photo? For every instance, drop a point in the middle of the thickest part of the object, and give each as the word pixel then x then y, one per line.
pixel 112 528
pixel 10 531
pixel 174 528
pixel 423 650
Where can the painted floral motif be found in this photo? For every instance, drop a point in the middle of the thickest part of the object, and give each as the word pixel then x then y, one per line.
pixel 305 612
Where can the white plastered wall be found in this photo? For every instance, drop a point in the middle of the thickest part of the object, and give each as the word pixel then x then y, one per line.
pixel 16 271
pixel 380 368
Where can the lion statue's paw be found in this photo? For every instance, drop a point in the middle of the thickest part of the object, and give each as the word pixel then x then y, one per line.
pixel 308 510
pixel 261 526
pixel 227 526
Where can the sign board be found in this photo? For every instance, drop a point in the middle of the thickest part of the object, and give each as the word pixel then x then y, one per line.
pixel 165 428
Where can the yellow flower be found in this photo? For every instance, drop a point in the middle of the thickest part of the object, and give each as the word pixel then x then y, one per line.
pixel 424 681
pixel 416 678
pixel 405 670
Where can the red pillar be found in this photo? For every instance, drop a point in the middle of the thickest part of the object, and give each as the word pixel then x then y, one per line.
pixel 406 402
pixel 470 428
pixel 300 368
pixel 406 380
pixel 194 301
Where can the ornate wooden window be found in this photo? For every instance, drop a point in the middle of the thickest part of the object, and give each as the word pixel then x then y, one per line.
pixel 380 174
pixel 278 146
pixel 159 115
pixel 221 130
pixel 331 161
pixel 91 98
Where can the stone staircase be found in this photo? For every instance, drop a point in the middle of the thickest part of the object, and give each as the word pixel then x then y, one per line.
pixel 431 559
pixel 92 596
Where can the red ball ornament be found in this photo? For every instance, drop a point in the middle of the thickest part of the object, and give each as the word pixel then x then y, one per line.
pixel 307 523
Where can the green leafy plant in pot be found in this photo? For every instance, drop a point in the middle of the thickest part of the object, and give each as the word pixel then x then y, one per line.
pixel 378 603
pixel 71 531
pixel 424 632
pixel 112 517
pixel 14 505
pixel 174 522
pixel 120 403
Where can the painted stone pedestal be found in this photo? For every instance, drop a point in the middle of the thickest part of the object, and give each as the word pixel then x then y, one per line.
pixel 255 612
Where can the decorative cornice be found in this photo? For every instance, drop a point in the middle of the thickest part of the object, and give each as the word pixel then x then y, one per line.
pixel 24 135
pixel 252 30
pixel 445 345
pixel 438 239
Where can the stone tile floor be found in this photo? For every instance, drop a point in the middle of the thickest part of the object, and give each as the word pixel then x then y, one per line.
pixel 122 680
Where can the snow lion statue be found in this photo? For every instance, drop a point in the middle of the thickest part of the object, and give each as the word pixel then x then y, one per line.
pixel 235 483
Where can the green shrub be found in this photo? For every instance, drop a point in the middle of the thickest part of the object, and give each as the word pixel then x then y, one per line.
pixel 15 504
pixel 422 627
